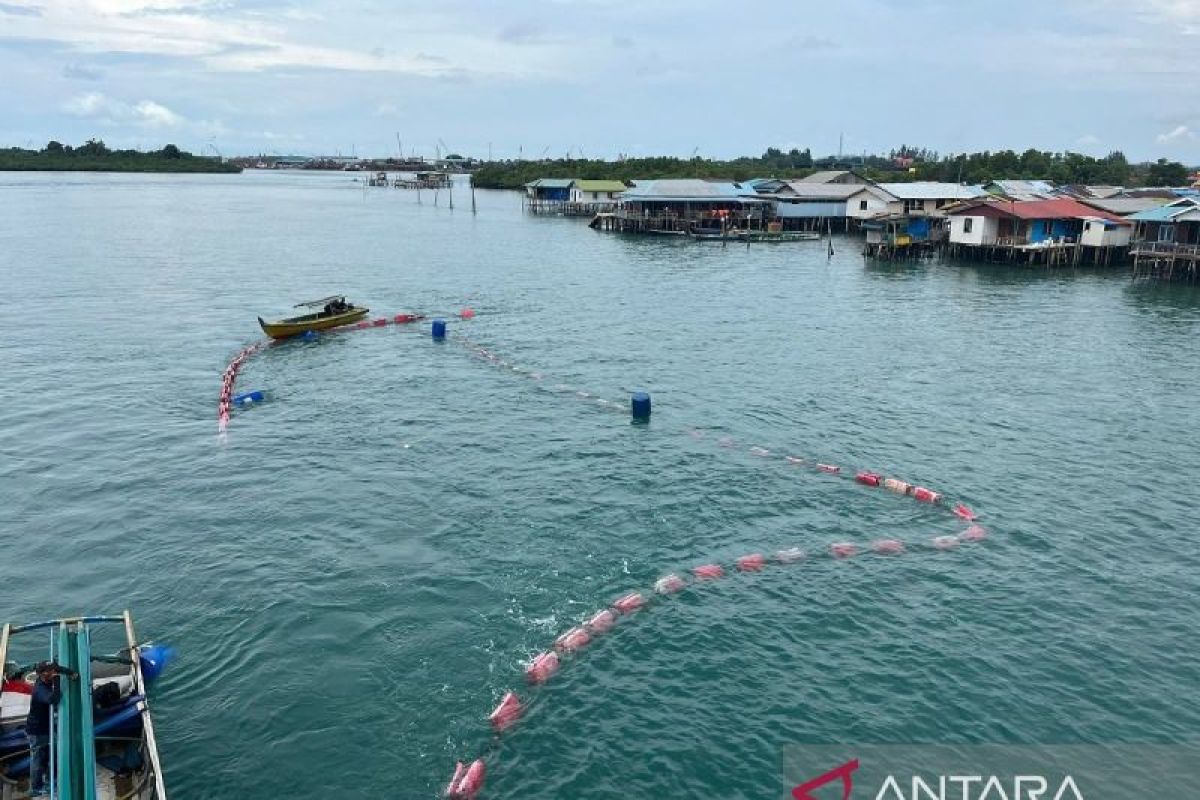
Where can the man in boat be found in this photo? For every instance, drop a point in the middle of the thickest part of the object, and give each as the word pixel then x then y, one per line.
pixel 46 695
pixel 336 306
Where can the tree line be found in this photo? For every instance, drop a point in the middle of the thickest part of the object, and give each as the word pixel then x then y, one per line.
pixel 95 156
pixel 899 165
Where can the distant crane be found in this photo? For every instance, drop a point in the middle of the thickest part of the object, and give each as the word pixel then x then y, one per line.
pixel 545 150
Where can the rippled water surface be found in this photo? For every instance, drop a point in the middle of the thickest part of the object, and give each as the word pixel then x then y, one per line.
pixel 358 572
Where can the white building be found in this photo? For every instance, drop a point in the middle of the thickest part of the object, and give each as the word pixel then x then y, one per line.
pixel 815 203
pixel 927 198
pixel 584 190
pixel 1100 232
pixel 868 201
pixel 974 230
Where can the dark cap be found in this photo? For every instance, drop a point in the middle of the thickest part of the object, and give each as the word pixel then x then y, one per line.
pixel 45 666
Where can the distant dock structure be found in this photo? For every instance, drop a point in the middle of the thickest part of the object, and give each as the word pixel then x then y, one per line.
pixel 424 180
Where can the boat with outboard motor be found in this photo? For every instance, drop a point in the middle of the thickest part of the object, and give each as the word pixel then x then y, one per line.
pixel 102 744
pixel 334 313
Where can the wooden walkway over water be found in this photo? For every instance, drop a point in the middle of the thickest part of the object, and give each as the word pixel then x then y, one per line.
pixel 565 208
pixel 1166 261
pixel 1053 254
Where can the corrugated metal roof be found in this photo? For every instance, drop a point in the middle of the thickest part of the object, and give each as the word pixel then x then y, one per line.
pixel 588 185
pixel 1124 205
pixel 1058 208
pixel 1025 190
pixel 816 191
pixel 686 189
pixel 552 183
pixel 930 190
pixel 830 191
pixel 1090 192
pixel 1155 191
pixel 825 176
pixel 1168 212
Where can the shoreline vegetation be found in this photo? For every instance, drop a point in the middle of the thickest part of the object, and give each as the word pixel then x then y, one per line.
pixel 95 156
pixel 902 165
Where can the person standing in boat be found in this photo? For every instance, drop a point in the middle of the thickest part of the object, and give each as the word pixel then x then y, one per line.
pixel 46 694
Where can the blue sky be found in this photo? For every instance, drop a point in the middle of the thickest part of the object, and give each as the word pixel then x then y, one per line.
pixel 602 78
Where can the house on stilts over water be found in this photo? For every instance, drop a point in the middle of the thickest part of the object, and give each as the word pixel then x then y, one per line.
pixel 1050 232
pixel 913 223
pixel 685 206
pixel 572 197
pixel 1168 241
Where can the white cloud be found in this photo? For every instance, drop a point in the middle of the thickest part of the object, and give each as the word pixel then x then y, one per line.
pixel 1176 11
pixel 155 115
pixel 20 9
pixel 1180 133
pixel 113 7
pixel 224 37
pixel 101 107
pixel 84 105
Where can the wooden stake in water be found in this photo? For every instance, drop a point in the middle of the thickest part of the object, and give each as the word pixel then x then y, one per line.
pixel 471 181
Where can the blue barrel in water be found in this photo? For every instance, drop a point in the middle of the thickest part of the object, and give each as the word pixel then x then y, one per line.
pixel 246 398
pixel 439 329
pixel 639 405
pixel 154 659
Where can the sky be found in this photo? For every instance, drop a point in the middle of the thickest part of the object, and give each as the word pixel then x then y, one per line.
pixel 601 78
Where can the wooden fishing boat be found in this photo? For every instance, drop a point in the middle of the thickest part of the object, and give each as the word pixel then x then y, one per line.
pixel 780 236
pixel 102 744
pixel 334 313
